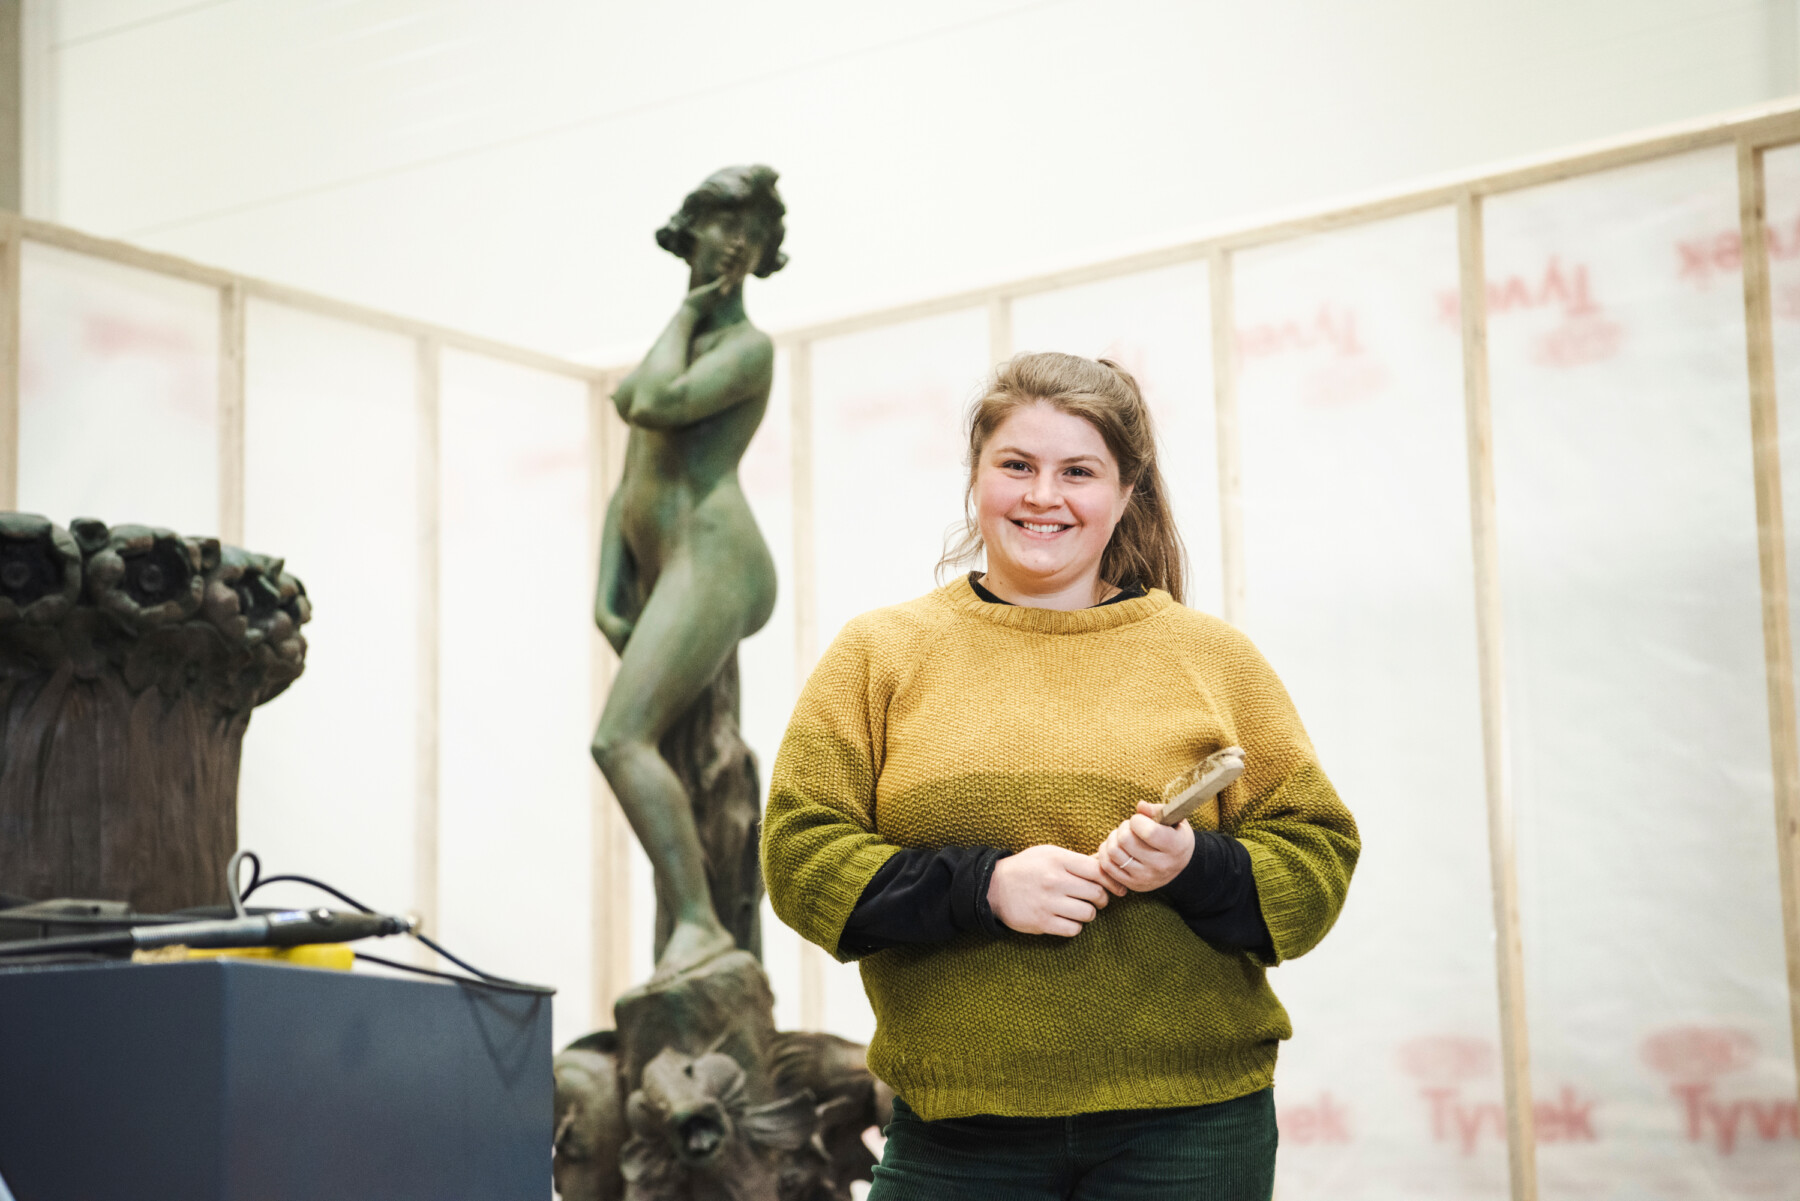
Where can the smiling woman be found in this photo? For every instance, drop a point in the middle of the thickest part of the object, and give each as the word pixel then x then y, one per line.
pixel 1070 997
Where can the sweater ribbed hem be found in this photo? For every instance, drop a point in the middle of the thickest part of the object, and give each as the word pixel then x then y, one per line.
pixel 1094 1080
pixel 960 596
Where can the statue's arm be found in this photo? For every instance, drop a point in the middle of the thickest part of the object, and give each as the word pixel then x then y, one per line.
pixel 666 362
pixel 614 585
pixel 729 374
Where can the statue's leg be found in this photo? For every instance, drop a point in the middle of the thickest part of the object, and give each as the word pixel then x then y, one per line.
pixel 688 627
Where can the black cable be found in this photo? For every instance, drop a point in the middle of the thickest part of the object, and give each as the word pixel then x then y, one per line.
pixel 112 940
pixel 347 899
pixel 90 919
pixel 232 888
pixel 257 881
pixel 534 990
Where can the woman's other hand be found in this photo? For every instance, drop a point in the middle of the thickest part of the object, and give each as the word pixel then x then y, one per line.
pixel 1144 855
pixel 1047 890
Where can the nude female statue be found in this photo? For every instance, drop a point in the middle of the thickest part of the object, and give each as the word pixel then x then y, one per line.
pixel 684 572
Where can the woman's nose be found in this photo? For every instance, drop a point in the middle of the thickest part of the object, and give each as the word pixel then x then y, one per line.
pixel 1044 492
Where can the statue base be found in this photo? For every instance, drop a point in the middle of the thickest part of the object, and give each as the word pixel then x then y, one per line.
pixel 697 1096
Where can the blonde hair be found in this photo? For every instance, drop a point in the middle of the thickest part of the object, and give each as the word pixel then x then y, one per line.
pixel 1145 547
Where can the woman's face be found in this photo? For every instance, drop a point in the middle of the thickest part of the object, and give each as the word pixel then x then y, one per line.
pixel 724 244
pixel 1047 496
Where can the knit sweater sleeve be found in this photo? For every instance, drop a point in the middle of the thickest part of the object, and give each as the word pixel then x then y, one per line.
pixel 819 845
pixel 1302 840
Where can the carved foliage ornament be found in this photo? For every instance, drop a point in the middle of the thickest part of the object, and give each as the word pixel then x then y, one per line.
pixel 130 661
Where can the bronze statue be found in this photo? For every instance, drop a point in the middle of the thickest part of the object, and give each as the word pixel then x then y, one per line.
pixel 695 1094
pixel 684 572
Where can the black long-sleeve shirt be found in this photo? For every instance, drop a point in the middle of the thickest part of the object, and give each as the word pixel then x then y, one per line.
pixel 923 895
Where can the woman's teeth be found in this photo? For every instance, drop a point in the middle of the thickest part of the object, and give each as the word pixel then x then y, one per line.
pixel 1036 528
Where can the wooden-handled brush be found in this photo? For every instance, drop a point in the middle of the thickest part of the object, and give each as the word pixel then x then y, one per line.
pixel 1200 784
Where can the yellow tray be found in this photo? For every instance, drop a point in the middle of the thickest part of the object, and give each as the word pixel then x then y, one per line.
pixel 335 956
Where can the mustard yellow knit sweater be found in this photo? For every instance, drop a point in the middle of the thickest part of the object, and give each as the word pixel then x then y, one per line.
pixel 952 721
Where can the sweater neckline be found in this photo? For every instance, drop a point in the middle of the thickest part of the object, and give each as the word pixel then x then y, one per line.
pixel 1130 592
pixel 959 595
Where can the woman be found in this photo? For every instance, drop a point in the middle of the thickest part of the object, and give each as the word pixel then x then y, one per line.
pixel 1070 999
pixel 684 573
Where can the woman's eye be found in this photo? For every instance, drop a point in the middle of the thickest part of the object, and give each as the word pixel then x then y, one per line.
pixel 1014 465
pixel 1081 471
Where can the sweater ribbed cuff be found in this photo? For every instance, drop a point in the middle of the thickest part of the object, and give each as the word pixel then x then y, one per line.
pixel 834 896
pixel 1285 909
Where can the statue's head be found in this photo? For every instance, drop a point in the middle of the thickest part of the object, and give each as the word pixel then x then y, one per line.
pixel 738 205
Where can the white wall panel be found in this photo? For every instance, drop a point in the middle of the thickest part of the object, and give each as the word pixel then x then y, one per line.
pixel 118 394
pixel 514 767
pixel 888 480
pixel 889 467
pixel 766 659
pixel 329 778
pixel 1361 593
pixel 1654 968
pixel 1158 326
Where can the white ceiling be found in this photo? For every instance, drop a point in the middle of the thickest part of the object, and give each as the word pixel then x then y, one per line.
pixel 501 166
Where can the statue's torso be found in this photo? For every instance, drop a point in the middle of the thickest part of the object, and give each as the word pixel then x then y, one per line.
pixel 679 492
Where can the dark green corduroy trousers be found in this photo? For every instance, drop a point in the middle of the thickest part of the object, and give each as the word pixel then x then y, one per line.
pixel 1223 1152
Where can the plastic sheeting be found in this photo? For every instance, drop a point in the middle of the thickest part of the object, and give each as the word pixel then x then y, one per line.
pixel 888 482
pixel 1360 591
pixel 1639 737
pixel 515 721
pixel 766 663
pixel 888 458
pixel 1158 326
pixel 118 394
pixel 1638 747
pixel 329 781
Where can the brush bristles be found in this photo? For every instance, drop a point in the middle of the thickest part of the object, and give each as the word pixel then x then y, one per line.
pixel 1186 780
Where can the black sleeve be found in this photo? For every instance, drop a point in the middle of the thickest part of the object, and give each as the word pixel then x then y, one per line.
pixel 923 895
pixel 1216 896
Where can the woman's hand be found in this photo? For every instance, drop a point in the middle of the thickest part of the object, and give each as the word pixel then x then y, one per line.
pixel 1047 890
pixel 1142 854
